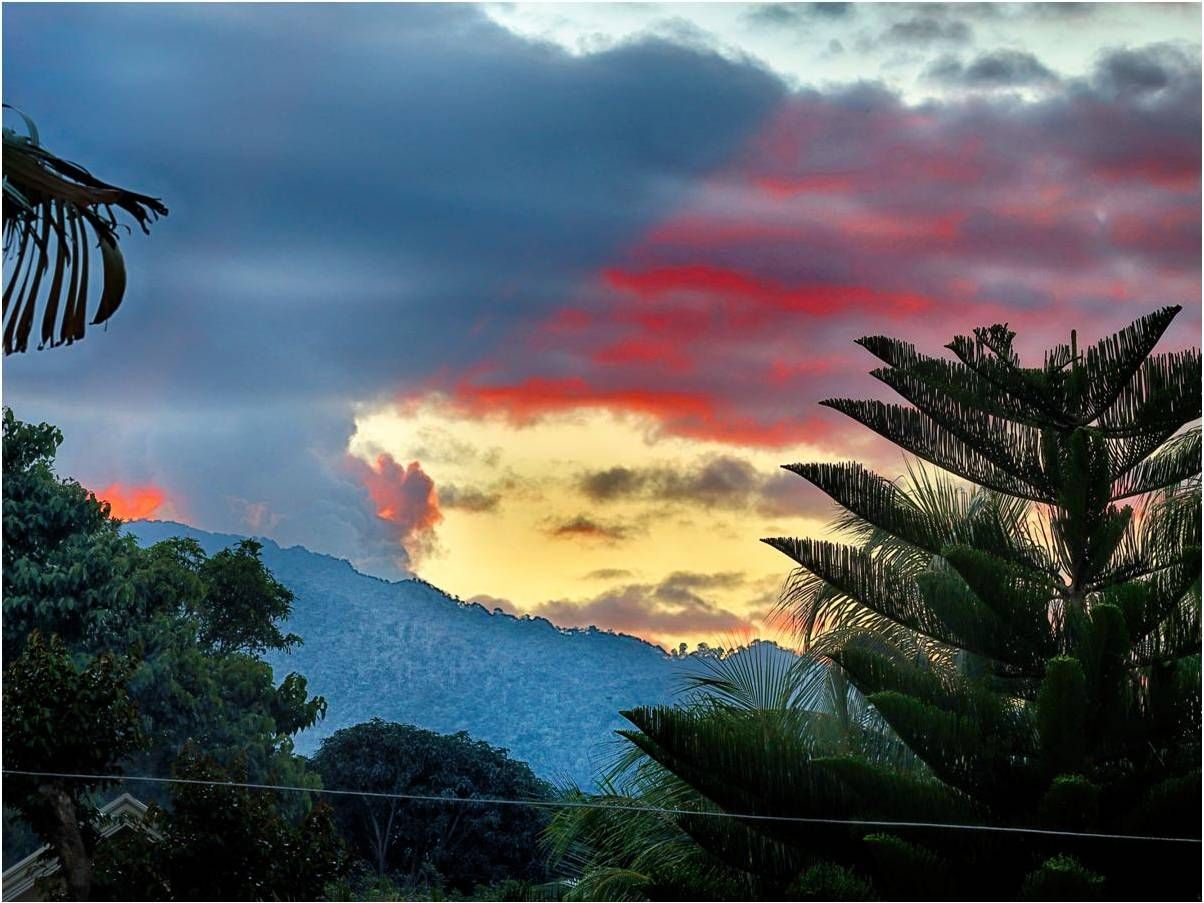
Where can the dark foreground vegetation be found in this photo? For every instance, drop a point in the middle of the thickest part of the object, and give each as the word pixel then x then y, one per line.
pixel 1018 648
pixel 1009 639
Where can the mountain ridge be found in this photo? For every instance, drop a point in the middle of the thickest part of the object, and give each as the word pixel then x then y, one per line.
pixel 230 538
pixel 407 651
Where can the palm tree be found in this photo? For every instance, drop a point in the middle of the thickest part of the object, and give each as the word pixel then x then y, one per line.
pixel 656 830
pixel 53 211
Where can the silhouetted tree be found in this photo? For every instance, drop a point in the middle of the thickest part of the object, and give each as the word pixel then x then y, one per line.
pixel 419 842
pixel 63 719
pixel 1074 631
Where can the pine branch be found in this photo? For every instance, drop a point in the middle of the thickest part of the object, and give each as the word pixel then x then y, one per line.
pixel 1176 461
pixel 874 499
pixel 1014 448
pixel 1112 362
pixel 923 437
pixel 959 382
pixel 1017 596
pixel 1024 388
pixel 1161 397
pixel 953 618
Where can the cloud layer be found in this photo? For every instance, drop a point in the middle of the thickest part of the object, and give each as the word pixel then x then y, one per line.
pixel 412 206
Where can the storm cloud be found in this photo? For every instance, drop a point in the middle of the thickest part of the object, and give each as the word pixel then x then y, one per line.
pixel 376 204
pixel 718 481
pixel 397 192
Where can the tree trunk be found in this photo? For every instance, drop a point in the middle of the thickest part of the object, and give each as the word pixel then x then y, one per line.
pixel 67 841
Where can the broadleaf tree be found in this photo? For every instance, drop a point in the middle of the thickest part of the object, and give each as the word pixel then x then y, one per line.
pixel 194 678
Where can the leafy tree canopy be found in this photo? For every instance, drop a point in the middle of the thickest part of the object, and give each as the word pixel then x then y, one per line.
pixel 215 842
pixel 196 623
pixel 452 845
pixel 187 628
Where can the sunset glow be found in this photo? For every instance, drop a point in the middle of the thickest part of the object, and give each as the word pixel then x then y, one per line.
pixel 611 259
pixel 132 502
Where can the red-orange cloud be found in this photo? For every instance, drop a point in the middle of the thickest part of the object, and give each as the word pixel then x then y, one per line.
pixel 853 214
pixel 127 502
pixel 405 499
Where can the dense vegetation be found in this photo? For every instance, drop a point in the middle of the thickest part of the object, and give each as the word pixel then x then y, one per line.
pixel 423 843
pixel 1029 631
pixel 121 658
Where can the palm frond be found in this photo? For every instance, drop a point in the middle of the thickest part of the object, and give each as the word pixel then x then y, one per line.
pixel 54 211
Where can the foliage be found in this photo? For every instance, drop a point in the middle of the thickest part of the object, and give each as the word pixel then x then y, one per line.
pixel 428 842
pixel 221 843
pixel 66 566
pixel 187 627
pixel 659 828
pixel 53 210
pixel 1062 877
pixel 243 603
pixel 1064 612
pixel 64 719
pixel 193 622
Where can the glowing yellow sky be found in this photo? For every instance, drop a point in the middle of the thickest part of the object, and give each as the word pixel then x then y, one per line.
pixel 510 551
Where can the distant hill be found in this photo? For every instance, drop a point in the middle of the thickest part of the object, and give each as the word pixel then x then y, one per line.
pixel 406 651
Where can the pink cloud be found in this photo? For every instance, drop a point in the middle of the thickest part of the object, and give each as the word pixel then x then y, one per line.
pixel 851 214
pixel 405 501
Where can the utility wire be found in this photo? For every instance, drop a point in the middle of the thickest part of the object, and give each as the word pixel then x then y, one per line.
pixel 578 804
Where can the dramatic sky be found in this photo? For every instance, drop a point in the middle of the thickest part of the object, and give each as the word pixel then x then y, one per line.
pixel 532 301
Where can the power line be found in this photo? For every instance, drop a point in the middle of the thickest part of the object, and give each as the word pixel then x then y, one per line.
pixel 578 804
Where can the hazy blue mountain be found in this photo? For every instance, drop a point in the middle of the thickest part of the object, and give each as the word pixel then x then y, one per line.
pixel 405 651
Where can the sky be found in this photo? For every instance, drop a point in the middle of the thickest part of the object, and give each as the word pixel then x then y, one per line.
pixel 532 301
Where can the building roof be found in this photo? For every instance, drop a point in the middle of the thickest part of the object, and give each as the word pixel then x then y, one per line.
pixel 116 814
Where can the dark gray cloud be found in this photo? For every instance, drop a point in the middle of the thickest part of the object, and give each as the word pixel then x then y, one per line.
pixel 1143 70
pixel 782 14
pixel 675 605
pixel 832 10
pixel 1058 10
pixel 360 196
pixel 719 481
pixel 608 574
pixel 468 498
pixel 927 30
pixel 997 69
pixel 590 529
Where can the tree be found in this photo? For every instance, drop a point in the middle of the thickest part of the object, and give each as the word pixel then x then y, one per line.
pixel 51 210
pixel 749 720
pixel 1031 639
pixel 219 842
pixel 66 564
pixel 1074 700
pixel 195 675
pixel 243 603
pixel 196 624
pixel 424 842
pixel 62 719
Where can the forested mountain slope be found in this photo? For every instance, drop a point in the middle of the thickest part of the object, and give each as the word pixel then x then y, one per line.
pixel 405 651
